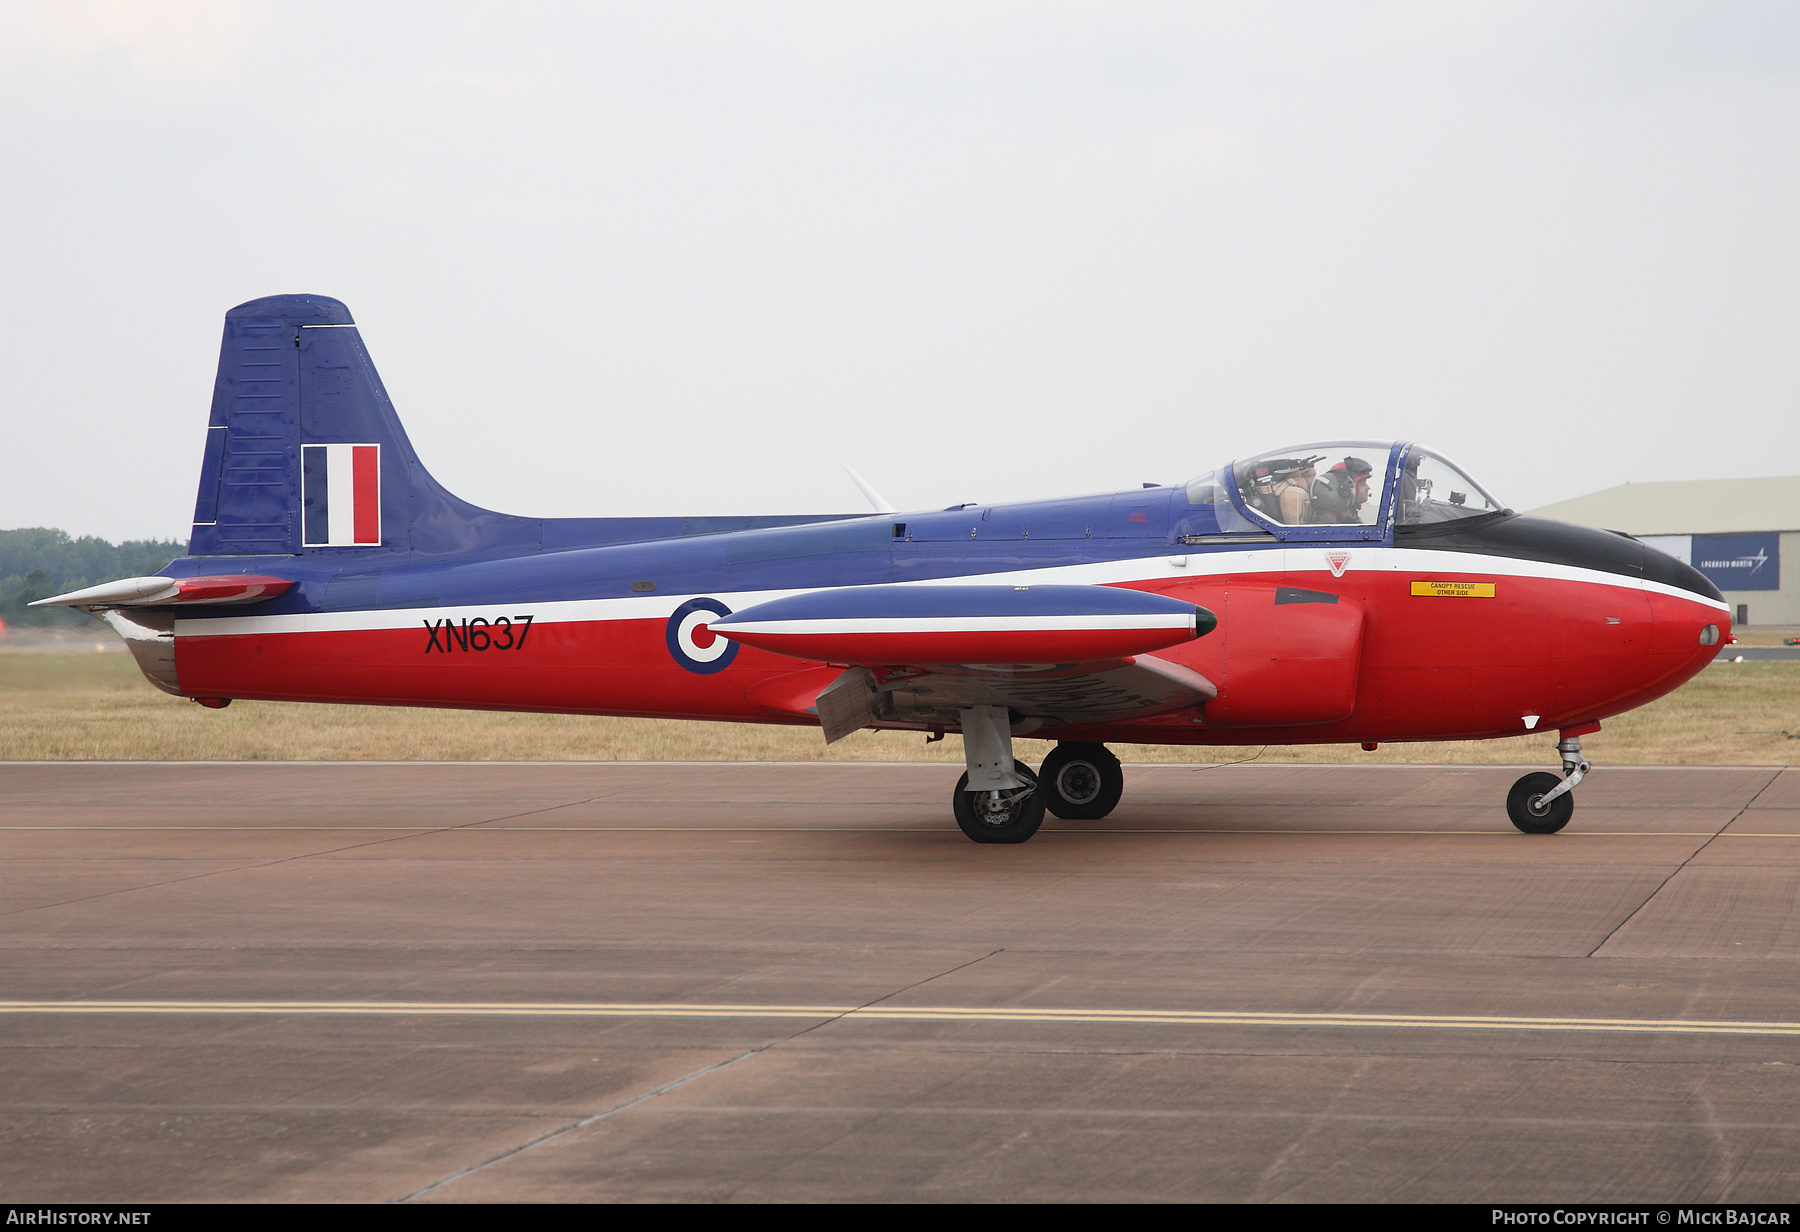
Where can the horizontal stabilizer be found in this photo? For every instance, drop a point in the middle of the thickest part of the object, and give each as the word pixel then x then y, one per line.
pixel 162 591
pixel 929 625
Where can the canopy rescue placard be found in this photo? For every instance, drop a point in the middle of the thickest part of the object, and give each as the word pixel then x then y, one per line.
pixel 1454 590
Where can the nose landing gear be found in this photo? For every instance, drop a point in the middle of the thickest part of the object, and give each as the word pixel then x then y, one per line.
pixel 1541 803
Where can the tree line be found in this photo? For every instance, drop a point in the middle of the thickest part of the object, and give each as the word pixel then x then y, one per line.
pixel 37 562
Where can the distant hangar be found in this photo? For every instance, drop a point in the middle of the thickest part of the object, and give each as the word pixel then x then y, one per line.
pixel 1732 530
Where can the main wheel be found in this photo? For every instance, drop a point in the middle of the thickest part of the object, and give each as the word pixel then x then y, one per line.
pixel 1000 816
pixel 1081 782
pixel 1524 807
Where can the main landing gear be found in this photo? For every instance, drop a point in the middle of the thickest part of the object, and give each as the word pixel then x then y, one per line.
pixel 1541 803
pixel 1081 782
pixel 1000 814
pixel 999 800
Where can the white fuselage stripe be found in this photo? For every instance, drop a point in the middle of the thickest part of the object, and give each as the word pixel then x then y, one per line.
pixel 1422 562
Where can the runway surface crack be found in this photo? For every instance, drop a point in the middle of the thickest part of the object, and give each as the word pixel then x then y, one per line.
pixel 684 1080
pixel 1649 898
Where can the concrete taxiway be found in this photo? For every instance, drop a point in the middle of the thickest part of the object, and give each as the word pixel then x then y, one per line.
pixel 749 982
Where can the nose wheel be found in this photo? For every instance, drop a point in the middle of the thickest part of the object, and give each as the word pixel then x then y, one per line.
pixel 1081 782
pixel 1531 811
pixel 1541 803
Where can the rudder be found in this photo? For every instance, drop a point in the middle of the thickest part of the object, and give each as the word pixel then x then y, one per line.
pixel 305 453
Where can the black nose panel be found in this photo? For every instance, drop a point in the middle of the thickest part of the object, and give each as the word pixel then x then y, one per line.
pixel 1558 543
pixel 1661 567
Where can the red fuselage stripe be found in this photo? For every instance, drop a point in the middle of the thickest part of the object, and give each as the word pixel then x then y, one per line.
pixel 1417 667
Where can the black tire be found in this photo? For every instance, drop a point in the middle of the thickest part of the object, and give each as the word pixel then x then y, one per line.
pixel 1521 804
pixel 1081 782
pixel 1019 818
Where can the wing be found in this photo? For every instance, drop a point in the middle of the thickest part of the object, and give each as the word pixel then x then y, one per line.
pixel 917 655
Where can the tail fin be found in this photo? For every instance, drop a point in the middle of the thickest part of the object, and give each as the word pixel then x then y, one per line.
pixel 304 451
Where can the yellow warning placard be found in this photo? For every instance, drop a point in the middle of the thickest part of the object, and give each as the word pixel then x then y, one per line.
pixel 1454 590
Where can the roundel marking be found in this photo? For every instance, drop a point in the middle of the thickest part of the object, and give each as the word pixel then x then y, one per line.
pixel 695 646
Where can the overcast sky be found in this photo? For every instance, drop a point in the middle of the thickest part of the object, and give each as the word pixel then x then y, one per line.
pixel 665 258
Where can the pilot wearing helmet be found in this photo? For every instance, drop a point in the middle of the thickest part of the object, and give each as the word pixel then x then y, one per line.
pixel 1293 490
pixel 1342 491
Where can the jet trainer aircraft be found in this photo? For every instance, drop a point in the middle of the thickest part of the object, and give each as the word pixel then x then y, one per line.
pixel 1358 592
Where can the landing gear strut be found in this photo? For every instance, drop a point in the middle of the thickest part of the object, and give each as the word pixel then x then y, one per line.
pixel 1541 803
pixel 1081 782
pixel 997 799
pixel 1009 815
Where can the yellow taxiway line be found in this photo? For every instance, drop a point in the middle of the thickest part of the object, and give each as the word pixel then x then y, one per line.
pixel 917 1013
pixel 491 828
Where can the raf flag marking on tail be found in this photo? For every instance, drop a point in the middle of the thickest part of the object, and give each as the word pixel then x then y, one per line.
pixel 342 495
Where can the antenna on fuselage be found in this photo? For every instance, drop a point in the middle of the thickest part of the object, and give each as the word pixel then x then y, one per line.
pixel 881 503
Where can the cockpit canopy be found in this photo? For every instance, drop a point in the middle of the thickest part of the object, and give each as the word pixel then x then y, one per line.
pixel 1333 484
pixel 1433 489
pixel 1345 483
